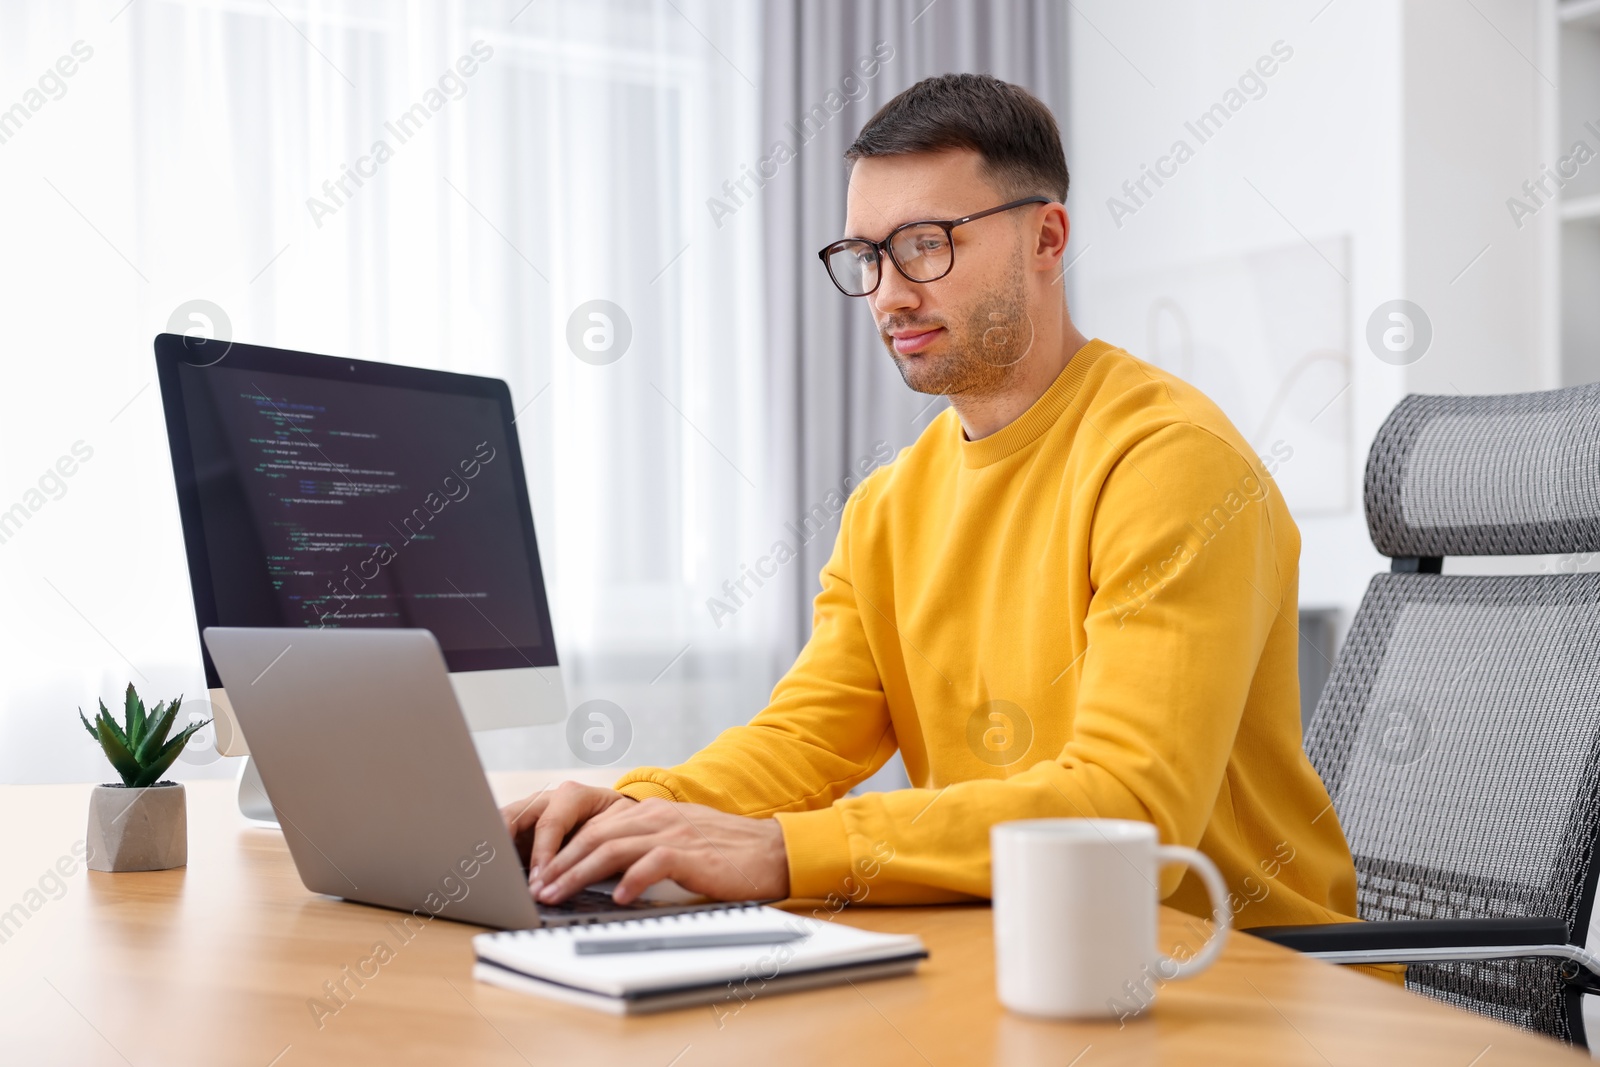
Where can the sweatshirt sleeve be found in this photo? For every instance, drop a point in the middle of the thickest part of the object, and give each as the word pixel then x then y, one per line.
pixel 1161 688
pixel 825 729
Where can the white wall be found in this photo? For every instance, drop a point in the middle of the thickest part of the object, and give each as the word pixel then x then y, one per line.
pixel 1322 144
pixel 1401 128
pixel 1472 99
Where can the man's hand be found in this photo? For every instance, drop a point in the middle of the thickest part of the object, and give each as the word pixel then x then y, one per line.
pixel 726 857
pixel 539 823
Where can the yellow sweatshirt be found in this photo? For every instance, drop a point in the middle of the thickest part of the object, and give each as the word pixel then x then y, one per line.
pixel 1090 612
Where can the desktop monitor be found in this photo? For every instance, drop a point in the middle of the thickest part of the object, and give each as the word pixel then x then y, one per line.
pixel 318 491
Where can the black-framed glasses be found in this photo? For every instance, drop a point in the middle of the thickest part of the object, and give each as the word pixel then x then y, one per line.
pixel 920 251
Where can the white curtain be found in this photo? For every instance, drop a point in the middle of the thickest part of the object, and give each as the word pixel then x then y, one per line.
pixel 197 152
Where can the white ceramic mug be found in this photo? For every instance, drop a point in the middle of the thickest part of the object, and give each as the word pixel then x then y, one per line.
pixel 1075 907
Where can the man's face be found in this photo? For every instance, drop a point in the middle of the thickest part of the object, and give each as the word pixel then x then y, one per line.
pixel 966 332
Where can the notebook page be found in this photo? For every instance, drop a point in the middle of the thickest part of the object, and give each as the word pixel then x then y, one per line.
pixel 549 953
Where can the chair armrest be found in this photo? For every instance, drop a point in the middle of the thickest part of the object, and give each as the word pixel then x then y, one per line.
pixel 1442 941
pixel 1415 934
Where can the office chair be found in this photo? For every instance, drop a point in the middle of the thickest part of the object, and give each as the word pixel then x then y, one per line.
pixel 1459 732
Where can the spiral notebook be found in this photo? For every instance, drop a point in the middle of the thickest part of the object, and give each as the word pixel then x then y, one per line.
pixel 545 962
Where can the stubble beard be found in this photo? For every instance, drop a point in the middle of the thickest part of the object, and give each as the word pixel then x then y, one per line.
pixel 982 353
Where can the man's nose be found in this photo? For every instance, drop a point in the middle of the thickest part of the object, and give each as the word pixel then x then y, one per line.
pixel 894 292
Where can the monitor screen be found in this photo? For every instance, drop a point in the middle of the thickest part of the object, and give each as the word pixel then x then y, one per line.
pixel 318 491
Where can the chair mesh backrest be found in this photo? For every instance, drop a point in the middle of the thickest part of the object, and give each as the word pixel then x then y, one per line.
pixel 1459 733
pixel 1459 736
pixel 1487 475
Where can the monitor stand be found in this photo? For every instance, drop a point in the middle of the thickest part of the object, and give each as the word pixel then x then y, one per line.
pixel 253 802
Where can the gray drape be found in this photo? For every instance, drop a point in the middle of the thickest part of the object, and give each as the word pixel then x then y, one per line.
pixel 837 400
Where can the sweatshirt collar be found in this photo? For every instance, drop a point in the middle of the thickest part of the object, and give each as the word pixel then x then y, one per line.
pixel 1032 424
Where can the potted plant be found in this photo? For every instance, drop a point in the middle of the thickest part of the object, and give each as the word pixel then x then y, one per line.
pixel 142 824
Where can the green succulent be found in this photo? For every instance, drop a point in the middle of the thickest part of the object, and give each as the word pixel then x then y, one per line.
pixel 139 749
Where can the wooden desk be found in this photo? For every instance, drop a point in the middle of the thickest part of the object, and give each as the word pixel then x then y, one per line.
pixel 215 964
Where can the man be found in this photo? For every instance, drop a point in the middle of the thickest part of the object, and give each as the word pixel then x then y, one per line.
pixel 1074 595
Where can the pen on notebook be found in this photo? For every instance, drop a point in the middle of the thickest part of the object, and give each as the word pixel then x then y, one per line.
pixel 597 945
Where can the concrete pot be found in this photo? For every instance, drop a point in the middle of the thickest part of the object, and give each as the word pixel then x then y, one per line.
pixel 138 829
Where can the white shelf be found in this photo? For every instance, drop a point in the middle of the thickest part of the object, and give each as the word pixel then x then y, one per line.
pixel 1583 208
pixel 1584 13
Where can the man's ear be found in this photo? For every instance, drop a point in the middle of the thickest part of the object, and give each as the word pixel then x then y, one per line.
pixel 1054 229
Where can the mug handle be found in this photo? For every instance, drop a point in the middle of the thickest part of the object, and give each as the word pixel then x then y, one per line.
pixel 1218 891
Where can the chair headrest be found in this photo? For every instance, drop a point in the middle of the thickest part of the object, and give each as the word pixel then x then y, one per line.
pixel 1509 475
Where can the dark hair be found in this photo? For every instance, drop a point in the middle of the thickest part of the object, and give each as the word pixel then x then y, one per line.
pixel 1009 127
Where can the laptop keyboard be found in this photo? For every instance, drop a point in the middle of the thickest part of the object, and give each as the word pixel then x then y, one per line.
pixel 589 902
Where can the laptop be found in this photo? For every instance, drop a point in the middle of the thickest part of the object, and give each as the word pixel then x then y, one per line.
pixel 370 768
